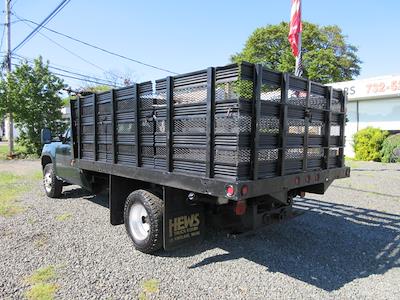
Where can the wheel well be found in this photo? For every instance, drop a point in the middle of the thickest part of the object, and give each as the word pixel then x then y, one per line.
pixel 46 160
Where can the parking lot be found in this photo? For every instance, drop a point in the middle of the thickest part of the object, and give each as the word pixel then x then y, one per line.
pixel 344 244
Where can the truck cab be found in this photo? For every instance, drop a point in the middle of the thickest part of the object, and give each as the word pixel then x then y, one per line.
pixel 58 164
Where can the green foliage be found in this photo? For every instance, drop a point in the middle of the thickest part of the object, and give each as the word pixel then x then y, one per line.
pixel 389 145
pixel 96 88
pixel 32 94
pixel 368 143
pixel 327 57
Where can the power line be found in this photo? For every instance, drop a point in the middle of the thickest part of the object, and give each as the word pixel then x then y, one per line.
pixel 85 76
pixel 15 2
pixel 74 54
pixel 77 78
pixel 62 4
pixel 99 48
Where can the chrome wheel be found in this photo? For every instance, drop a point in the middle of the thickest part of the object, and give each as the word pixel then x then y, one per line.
pixel 47 181
pixel 139 222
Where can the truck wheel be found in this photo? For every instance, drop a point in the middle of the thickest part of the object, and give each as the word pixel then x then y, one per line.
pixel 52 185
pixel 143 215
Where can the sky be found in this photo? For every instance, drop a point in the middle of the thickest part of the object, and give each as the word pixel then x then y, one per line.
pixel 184 36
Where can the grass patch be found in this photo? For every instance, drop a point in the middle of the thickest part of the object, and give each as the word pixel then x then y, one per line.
pixel 19 151
pixel 42 275
pixel 42 288
pixel 149 287
pixel 11 186
pixel 63 217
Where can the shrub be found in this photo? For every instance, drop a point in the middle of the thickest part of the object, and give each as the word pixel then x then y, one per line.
pixel 368 143
pixel 389 145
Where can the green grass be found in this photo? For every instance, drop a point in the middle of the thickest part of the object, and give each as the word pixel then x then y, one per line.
pixel 11 186
pixel 42 291
pixel 63 217
pixel 42 287
pixel 41 275
pixel 19 150
pixel 149 287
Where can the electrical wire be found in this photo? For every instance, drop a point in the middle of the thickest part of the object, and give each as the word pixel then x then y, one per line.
pixel 76 55
pixel 62 4
pixel 84 76
pixel 99 48
pixel 77 78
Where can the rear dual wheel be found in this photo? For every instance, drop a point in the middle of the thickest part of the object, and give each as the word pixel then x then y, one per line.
pixel 143 218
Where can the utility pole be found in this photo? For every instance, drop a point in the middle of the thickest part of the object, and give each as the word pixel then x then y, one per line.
pixel 8 63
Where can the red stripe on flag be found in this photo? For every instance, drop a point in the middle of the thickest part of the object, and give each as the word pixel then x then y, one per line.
pixel 295 26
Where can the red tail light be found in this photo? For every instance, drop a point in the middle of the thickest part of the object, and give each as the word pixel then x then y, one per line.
pixel 230 190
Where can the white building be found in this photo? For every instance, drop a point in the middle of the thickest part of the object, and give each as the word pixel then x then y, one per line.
pixel 371 102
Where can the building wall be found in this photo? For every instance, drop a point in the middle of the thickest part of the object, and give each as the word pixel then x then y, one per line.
pixel 371 102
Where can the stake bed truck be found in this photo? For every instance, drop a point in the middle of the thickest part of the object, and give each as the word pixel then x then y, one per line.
pixel 230 146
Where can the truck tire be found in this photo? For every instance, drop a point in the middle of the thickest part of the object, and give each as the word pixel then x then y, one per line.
pixel 52 185
pixel 143 218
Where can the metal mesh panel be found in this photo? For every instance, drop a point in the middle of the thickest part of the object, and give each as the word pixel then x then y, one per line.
pixel 336 105
pixel 294 153
pixel 225 91
pixel 190 154
pixel 232 156
pixel 315 152
pixel 316 128
pixel 270 93
pixel 268 154
pixel 146 100
pixel 127 104
pixel 161 151
pixel 104 108
pixel 197 125
pixel 335 129
pixel 161 97
pixel 296 97
pixel 146 126
pixel 296 126
pixel 233 124
pixel 269 125
pixel 318 101
pixel 87 110
pixel 147 151
pixel 234 90
pixel 190 94
pixel 160 126
pixel 127 128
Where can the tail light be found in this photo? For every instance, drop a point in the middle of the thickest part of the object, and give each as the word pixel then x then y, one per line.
pixel 230 190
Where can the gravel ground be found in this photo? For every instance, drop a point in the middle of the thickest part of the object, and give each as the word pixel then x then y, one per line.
pixel 345 245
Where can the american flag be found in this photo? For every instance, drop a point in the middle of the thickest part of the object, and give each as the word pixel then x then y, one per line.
pixel 295 30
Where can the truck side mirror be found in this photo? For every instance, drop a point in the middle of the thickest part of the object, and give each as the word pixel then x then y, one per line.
pixel 45 136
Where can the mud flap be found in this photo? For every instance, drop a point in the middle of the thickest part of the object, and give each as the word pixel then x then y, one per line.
pixel 183 219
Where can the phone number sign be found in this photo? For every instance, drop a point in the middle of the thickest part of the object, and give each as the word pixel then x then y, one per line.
pixel 370 88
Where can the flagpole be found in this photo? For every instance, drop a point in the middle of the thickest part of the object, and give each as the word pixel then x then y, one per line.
pixel 298 68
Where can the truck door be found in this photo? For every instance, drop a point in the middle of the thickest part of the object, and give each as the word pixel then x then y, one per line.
pixel 64 161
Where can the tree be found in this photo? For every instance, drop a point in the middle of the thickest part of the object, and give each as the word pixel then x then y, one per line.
pixel 32 93
pixel 327 56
